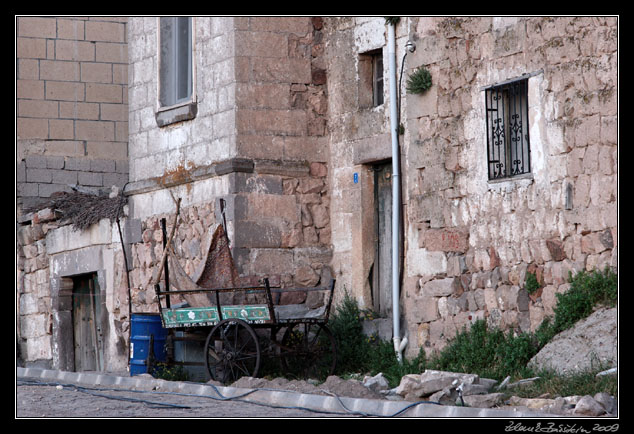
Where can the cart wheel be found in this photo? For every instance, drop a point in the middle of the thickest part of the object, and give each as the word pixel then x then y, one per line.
pixel 232 351
pixel 308 351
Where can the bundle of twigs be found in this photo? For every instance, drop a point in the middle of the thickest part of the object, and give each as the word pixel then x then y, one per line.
pixel 83 209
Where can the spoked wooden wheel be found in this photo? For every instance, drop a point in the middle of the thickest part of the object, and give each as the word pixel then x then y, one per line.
pixel 232 351
pixel 308 351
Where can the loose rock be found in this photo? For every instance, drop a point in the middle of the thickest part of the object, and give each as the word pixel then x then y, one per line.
pixel 462 389
pixel 588 406
pixel 607 401
pixel 378 383
pixel 594 337
pixel 431 382
pixel 488 400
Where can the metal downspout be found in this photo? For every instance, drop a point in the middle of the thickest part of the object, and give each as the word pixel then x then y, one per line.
pixel 396 194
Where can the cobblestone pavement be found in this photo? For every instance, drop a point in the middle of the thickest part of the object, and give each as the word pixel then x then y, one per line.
pixel 38 399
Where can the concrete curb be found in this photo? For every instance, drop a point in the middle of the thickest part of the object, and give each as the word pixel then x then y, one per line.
pixel 282 398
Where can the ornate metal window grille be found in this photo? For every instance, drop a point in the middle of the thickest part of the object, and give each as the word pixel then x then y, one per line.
pixel 508 146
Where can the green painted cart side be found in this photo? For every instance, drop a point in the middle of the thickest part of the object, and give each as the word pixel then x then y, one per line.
pixel 208 316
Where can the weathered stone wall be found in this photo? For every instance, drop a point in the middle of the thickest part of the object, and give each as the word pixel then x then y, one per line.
pixel 208 137
pixel 470 242
pixel 284 232
pixel 72 132
pixel 50 253
pixel 257 140
pixel 71 105
pixel 33 298
pixel 282 126
pixel 194 222
pixel 277 220
pixel 358 136
pixel 280 91
pixel 282 216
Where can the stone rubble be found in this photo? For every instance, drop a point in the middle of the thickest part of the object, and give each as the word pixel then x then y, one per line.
pixel 450 388
pixel 446 388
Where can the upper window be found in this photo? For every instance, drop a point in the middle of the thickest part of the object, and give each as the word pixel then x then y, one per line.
pixel 175 71
pixel 377 79
pixel 508 145
pixel 371 79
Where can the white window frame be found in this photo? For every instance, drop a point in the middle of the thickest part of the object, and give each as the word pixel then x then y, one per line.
pixel 184 108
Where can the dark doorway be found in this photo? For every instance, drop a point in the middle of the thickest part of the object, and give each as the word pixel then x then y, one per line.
pixel 87 329
pixel 382 269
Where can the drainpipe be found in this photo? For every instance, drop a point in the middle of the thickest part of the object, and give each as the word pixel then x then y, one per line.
pixel 396 194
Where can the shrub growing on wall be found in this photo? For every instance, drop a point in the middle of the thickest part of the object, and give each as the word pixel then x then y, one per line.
pixel 419 81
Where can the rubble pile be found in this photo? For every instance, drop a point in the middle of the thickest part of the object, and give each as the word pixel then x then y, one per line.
pixel 445 388
pixel 450 388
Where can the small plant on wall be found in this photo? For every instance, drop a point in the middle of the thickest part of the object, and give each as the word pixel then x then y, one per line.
pixel 419 81
pixel 392 20
pixel 532 284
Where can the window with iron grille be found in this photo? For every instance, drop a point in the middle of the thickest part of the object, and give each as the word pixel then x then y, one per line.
pixel 508 146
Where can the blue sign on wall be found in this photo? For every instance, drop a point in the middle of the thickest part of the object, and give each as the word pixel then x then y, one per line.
pixel 356 177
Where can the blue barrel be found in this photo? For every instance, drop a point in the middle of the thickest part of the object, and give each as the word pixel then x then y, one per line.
pixel 146 327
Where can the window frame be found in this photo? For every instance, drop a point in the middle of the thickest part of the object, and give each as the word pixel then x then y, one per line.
pixel 516 130
pixel 371 79
pixel 184 108
pixel 378 78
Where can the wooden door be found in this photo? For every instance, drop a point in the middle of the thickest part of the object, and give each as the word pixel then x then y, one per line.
pixel 87 330
pixel 382 269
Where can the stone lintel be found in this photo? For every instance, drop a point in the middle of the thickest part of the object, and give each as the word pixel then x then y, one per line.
pixel 233 165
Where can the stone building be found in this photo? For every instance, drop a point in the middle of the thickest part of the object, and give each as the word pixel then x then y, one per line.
pixel 470 235
pixel 71 135
pixel 71 105
pixel 508 163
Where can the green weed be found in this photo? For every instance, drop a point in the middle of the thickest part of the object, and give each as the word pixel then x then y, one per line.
pixel 486 351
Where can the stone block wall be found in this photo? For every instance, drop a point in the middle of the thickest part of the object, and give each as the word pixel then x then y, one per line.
pixel 281 95
pixel 257 140
pixel 208 137
pixel 146 253
pixel 50 253
pixel 282 126
pixel 285 233
pixel 71 105
pixel 33 297
pixel 471 242
pixel 277 220
pixel 358 137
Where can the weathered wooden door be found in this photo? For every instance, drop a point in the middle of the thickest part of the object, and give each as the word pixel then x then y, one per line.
pixel 87 330
pixel 382 270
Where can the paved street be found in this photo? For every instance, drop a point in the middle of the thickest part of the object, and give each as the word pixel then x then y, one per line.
pixel 35 399
pixel 43 393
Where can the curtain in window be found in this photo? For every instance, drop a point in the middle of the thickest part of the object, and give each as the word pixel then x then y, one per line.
pixel 175 71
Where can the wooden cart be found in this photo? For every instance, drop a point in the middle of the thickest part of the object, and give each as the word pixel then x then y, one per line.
pixel 240 334
pixel 242 323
